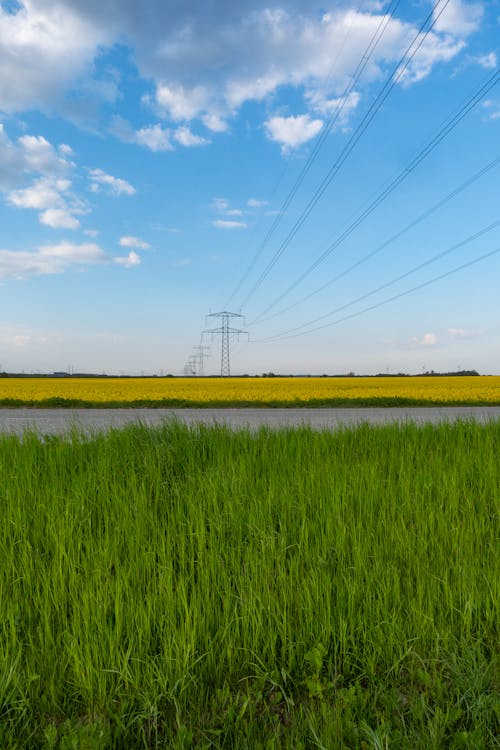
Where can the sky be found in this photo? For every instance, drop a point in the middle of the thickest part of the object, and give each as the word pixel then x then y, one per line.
pixel 296 163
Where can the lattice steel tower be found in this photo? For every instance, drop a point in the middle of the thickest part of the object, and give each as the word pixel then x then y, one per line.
pixel 225 331
pixel 200 358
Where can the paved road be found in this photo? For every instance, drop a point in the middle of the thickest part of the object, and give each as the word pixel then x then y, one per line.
pixel 58 421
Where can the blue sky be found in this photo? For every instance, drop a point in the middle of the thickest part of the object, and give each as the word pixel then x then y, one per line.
pixel 148 154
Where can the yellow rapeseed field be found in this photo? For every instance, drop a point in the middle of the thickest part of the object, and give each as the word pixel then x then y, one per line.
pixel 102 390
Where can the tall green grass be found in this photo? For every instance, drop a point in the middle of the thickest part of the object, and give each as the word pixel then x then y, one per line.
pixel 179 588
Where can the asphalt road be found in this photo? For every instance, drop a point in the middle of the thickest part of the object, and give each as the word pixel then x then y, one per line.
pixel 59 421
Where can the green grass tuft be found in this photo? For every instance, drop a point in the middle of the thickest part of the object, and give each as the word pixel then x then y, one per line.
pixel 195 587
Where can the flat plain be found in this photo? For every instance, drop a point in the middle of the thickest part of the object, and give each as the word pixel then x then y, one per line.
pixel 249 392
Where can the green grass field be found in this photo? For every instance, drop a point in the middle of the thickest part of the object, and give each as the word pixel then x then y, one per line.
pixel 182 588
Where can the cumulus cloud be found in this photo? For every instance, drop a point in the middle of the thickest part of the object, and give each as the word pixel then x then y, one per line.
pixel 459 18
pixel 48 259
pixel 341 107
pixel 134 242
pixel 292 131
pixel 44 48
pixel 215 123
pixel 59 218
pixel 227 224
pixel 115 185
pixel 43 193
pixel 129 261
pixel 29 155
pixel 488 61
pixel 50 197
pixel 69 252
pixel 58 258
pixel 154 137
pixel 202 60
pixel 185 137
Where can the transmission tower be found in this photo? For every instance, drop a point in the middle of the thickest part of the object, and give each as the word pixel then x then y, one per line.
pixel 225 330
pixel 200 358
pixel 190 366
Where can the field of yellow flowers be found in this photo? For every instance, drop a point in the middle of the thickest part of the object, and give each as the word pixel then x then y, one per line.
pixel 248 391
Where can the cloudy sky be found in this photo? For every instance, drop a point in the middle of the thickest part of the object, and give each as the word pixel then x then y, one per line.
pixel 328 170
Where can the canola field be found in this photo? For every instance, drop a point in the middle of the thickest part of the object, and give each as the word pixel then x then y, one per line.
pixel 255 391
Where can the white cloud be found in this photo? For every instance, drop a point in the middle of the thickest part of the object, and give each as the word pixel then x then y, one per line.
pixel 206 65
pixel 43 193
pixel 488 61
pixel 59 218
pixel 180 102
pixel 70 252
pixel 48 259
pixel 29 155
pixel 427 340
pixel 432 52
pixel 50 196
pixel 134 242
pixel 115 185
pixel 254 203
pixel 459 18
pixel 292 131
pixel 185 137
pixel 215 123
pixel 44 48
pixel 223 224
pixel 129 261
pixel 40 156
pixel 154 137
pixel 341 107
pixel 222 206
pixel 58 258
pixel 492 108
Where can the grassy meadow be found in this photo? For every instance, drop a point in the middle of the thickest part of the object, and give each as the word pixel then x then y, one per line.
pixel 244 391
pixel 200 588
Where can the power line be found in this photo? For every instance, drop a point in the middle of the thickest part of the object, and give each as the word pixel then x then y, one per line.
pixel 424 264
pixel 342 100
pixel 424 284
pixel 395 76
pixel 421 217
pixel 434 142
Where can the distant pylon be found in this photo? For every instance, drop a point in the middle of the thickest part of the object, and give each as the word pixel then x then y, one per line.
pixel 190 366
pixel 225 330
pixel 200 357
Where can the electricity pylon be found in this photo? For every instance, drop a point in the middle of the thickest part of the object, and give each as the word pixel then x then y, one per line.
pixel 225 331
pixel 200 357
pixel 190 366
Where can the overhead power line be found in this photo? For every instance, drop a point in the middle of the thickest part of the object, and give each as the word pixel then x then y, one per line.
pixel 424 284
pixel 480 233
pixel 421 217
pixel 325 131
pixel 445 130
pixel 395 76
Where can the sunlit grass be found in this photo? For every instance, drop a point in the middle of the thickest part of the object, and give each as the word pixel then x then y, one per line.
pixel 179 587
